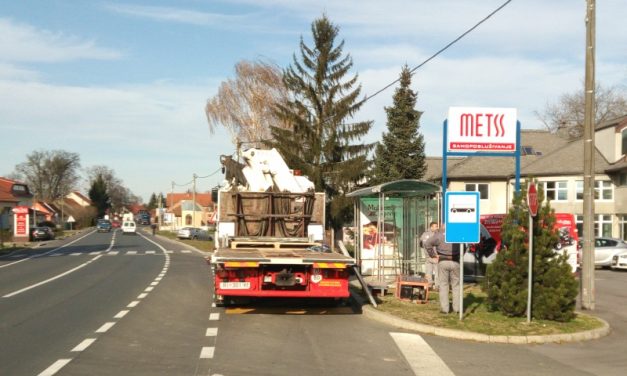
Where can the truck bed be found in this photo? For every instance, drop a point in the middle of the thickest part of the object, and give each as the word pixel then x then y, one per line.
pixel 279 256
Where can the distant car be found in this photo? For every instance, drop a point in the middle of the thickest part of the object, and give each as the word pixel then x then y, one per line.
pixel 42 233
pixel 115 224
pixel 605 249
pixel 104 226
pixel 193 233
pixel 129 227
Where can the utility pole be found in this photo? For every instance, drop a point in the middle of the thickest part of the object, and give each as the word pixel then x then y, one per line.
pixel 194 201
pixel 587 271
pixel 173 218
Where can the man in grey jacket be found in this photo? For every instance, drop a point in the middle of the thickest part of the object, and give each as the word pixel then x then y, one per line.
pixel 448 269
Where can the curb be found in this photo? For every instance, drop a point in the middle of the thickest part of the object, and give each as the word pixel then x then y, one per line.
pixel 386 318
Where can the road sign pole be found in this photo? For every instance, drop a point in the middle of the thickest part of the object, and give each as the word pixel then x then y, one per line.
pixel 461 281
pixel 530 274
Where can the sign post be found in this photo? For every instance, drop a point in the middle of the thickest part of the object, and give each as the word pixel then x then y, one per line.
pixel 461 220
pixel 532 203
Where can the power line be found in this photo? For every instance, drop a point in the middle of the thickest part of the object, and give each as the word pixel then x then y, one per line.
pixel 368 97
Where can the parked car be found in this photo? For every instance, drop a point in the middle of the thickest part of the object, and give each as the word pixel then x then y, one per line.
pixel 619 261
pixel 42 233
pixel 605 249
pixel 104 225
pixel 129 227
pixel 193 233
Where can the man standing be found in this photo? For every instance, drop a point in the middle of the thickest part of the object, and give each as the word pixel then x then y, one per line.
pixel 431 264
pixel 448 269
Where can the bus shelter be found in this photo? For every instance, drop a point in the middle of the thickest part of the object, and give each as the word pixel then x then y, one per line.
pixel 389 219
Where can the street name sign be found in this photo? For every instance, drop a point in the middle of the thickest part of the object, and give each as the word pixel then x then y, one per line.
pixel 481 129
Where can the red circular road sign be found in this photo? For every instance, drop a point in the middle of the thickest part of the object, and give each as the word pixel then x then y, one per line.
pixel 532 199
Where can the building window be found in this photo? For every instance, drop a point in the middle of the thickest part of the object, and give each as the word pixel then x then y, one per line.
pixel 622 222
pixel 602 225
pixel 603 190
pixel 556 190
pixel 624 141
pixel 482 188
pixel 622 179
pixel 188 219
pixel 579 189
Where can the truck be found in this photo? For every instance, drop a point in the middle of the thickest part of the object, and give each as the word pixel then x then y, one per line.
pixel 270 235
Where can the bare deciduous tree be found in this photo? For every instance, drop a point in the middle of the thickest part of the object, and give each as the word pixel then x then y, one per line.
pixel 568 112
pixel 245 105
pixel 50 174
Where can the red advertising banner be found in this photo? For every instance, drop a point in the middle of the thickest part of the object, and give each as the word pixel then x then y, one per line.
pixel 20 221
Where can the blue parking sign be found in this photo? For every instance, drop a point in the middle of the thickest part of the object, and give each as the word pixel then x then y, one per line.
pixel 461 217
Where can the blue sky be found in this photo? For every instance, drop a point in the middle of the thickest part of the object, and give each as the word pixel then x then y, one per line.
pixel 124 83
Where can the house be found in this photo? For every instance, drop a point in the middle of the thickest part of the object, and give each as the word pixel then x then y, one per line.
pixel 180 206
pixel 557 164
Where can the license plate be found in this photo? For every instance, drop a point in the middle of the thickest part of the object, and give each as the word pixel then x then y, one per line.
pixel 234 285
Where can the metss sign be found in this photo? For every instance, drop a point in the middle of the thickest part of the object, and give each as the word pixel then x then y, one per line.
pixel 481 129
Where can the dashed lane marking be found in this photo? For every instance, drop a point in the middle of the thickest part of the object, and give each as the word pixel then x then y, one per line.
pixel 133 304
pixel 83 345
pixel 104 328
pixel 211 332
pixel 207 352
pixel 121 314
pixel 420 356
pixel 55 367
pixel 214 316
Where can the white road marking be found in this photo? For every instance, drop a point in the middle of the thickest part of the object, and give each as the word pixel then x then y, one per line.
pixel 158 279
pixel 214 316
pixel 104 328
pixel 149 289
pixel 186 251
pixel 121 314
pixel 75 254
pixel 131 252
pixel 154 284
pixel 133 304
pixel 55 367
pixel 83 345
pixel 47 253
pixel 169 251
pixel 142 295
pixel 420 356
pixel 51 279
pixel 113 253
pixel 211 332
pixel 150 252
pixel 95 253
pixel 207 352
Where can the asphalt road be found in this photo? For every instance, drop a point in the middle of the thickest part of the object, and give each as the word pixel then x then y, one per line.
pixel 108 304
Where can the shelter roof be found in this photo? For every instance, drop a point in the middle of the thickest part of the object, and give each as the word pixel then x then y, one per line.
pixel 405 187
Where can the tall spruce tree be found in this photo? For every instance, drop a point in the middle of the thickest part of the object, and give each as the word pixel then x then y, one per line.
pixel 321 140
pixel 554 288
pixel 152 202
pixel 401 154
pixel 99 196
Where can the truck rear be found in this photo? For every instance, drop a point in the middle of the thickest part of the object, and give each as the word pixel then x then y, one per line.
pixel 269 234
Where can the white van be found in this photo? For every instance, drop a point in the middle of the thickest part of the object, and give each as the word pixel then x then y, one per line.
pixel 128 227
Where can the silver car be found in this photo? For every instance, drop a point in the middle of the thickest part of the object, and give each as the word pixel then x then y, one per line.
pixel 193 233
pixel 605 249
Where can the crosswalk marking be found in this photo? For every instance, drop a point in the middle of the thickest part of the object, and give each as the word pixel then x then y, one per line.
pixel 420 356
pixel 113 253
